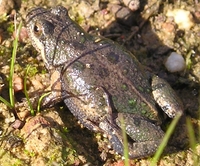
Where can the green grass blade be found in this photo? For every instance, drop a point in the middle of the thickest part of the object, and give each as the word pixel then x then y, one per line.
pixel 192 140
pixel 6 102
pixel 125 142
pixel 14 52
pixel 40 100
pixel 25 92
pixel 165 140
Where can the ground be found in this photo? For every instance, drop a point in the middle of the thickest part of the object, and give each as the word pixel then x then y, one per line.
pixel 54 136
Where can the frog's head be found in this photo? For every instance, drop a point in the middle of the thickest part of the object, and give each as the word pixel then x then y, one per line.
pixel 45 28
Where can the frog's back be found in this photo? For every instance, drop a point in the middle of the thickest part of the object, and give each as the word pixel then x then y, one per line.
pixel 104 64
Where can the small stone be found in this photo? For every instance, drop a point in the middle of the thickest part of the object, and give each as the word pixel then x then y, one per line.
pixel 23 35
pixel 24 114
pixel 122 14
pixel 175 63
pixel 132 4
pixel 168 27
pixel 18 124
pixel 182 18
pixel 37 84
pixel 18 83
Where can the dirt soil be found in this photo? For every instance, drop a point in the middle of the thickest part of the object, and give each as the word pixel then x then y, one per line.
pixel 53 136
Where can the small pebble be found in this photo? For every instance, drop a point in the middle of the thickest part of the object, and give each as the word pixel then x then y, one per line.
pixel 37 84
pixel 132 4
pixel 168 27
pixel 175 63
pixel 18 124
pixel 182 18
pixel 18 83
pixel 122 14
pixel 23 35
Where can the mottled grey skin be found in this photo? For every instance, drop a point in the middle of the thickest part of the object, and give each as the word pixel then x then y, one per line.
pixel 101 82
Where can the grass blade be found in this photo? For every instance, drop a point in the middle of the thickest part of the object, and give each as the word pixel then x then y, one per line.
pixel 6 102
pixel 192 140
pixel 25 92
pixel 125 142
pixel 165 140
pixel 40 100
pixel 14 52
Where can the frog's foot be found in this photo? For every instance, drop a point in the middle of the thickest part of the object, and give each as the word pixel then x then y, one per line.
pixel 54 95
pixel 143 136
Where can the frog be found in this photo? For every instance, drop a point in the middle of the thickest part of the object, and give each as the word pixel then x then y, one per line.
pixel 104 85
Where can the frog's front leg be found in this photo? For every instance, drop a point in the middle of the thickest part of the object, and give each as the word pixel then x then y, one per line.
pixel 55 90
pixel 144 137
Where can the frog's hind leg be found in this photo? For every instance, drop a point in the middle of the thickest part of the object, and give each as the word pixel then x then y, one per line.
pixel 145 135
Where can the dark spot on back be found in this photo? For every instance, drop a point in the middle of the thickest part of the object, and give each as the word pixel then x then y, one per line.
pixel 103 72
pixel 113 57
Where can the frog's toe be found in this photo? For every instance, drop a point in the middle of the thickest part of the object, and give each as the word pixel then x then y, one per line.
pixel 116 144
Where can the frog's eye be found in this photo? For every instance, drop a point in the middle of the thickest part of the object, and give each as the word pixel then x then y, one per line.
pixel 37 29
